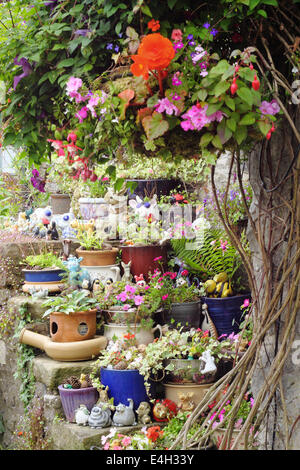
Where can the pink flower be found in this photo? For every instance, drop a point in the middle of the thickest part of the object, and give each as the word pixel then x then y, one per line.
pixel 73 85
pixel 246 303
pixel 126 441
pixel 164 105
pixel 269 108
pixel 176 35
pixel 93 101
pixel 81 114
pixel 184 272
pixel 122 296
pixel 251 402
pixel 117 448
pixel 158 258
pixel 224 245
pixel 106 446
pixel 173 275
pixel 126 307
pixel 138 299
pixel 130 289
pixel 175 80
pixel 195 119
pixel 164 297
pixel 146 287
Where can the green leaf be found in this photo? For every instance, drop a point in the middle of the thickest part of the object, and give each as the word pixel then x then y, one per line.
pixel 66 63
pixel 146 10
pixel 118 184
pixel 253 4
pixel 219 69
pixel 206 139
pixel 155 125
pixel 248 119
pixel 240 134
pixel 230 102
pixel 220 88
pixel 270 2
pixel 264 127
pixel 246 95
pixel 262 13
pixel 212 108
pixel 231 123
pixel 216 141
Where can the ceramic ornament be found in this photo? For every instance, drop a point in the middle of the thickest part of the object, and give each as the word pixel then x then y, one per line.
pixel 99 417
pixel 76 273
pixel 209 361
pixel 124 415
pixel 143 413
pixel 127 276
pixel 82 415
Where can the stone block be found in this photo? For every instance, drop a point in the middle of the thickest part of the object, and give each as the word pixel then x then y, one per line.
pixel 52 373
pixel 34 305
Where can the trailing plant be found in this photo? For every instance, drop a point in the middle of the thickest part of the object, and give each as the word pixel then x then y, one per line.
pixel 31 431
pixel 25 355
pixel 76 301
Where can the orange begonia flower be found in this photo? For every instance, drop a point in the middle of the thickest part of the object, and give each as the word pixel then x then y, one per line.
pixel 156 51
pixel 139 67
pixel 153 25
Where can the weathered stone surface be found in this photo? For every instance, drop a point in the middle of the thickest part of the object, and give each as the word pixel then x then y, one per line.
pixel 52 373
pixel 69 436
pixel 34 306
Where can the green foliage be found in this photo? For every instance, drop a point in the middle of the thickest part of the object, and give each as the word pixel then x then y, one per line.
pixel 205 256
pixel 77 301
pixel 90 241
pixel 25 355
pixel 44 260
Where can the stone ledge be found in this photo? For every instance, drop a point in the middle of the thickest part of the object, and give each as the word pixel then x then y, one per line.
pixel 34 305
pixel 51 373
pixel 71 436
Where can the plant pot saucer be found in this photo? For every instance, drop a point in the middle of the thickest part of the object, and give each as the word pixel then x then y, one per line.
pixel 50 286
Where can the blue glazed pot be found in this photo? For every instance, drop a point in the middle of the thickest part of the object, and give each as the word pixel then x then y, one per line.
pixel 124 384
pixel 226 313
pixel 51 275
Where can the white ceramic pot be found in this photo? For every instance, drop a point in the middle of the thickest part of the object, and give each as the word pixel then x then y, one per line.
pixel 103 273
pixel 93 208
pixel 142 335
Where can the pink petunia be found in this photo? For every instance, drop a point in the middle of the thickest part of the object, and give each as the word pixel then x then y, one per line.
pixel 246 303
pixel 138 299
pixel 164 297
pixel 176 35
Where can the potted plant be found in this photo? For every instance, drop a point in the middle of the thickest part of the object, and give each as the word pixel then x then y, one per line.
pixel 92 203
pixel 127 311
pixel 220 421
pixel 76 391
pixel 43 271
pixel 72 316
pixel 94 250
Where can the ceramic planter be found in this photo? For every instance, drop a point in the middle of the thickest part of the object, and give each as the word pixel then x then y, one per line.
pixel 159 186
pixel 188 371
pixel 97 257
pixel 173 391
pixel 77 326
pixel 142 258
pixel 65 352
pixel 217 437
pixel 124 384
pixel 142 335
pixel 226 313
pixel 60 203
pixel 188 314
pixel 103 273
pixel 93 208
pixel 71 399
pixel 50 279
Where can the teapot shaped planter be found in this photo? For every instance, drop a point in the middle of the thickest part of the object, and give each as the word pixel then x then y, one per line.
pixel 142 335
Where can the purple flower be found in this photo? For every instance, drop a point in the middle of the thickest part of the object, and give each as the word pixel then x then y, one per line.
pixel 81 32
pixel 122 296
pixel 190 37
pixel 206 25
pixel 109 46
pixel 269 108
pixel 82 114
pixel 27 69
pixel 214 32
pixel 117 48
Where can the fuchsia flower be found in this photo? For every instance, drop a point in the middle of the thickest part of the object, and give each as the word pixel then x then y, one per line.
pixel 246 303
pixel 224 245
pixel 82 114
pixel 184 272
pixel 130 289
pixel 126 307
pixel 175 80
pixel 164 297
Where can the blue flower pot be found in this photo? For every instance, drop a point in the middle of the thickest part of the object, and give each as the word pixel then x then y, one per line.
pixel 226 313
pixel 38 276
pixel 124 384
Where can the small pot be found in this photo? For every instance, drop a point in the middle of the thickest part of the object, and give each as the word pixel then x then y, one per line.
pixel 97 257
pixel 77 326
pixel 142 258
pixel 60 203
pixel 142 335
pixel 188 371
pixel 43 275
pixel 93 208
pixel 173 391
pixel 188 314
pixel 71 399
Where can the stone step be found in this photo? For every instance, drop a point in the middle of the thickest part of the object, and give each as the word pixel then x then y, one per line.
pixel 71 436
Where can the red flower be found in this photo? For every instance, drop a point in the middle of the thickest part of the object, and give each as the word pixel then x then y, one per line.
pixel 184 272
pixel 154 25
pixel 154 433
pixel 140 67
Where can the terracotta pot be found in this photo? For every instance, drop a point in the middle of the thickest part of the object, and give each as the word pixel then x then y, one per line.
pixel 97 258
pixel 65 352
pixel 77 326
pixel 172 391
pixel 142 258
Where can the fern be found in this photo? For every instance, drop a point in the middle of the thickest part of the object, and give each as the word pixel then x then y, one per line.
pixel 205 257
